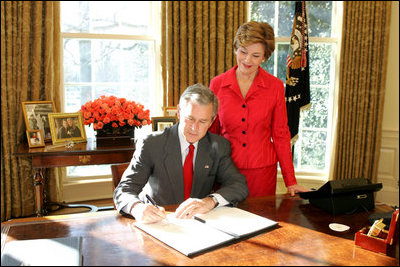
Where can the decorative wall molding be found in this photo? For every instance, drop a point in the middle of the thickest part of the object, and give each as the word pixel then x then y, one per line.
pixel 388 169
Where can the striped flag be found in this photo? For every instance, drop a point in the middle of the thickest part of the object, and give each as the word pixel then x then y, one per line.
pixel 288 61
pixel 297 92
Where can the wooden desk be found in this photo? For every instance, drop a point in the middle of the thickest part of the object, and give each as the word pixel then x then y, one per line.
pixel 302 238
pixel 60 156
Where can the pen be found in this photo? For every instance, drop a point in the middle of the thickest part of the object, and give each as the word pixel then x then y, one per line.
pixel 224 231
pixel 151 200
pixel 154 204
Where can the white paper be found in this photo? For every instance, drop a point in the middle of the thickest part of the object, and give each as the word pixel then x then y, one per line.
pixel 190 236
pixel 185 235
pixel 43 252
pixel 236 220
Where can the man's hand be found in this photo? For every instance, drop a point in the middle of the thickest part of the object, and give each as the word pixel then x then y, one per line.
pixel 293 189
pixel 147 213
pixel 191 206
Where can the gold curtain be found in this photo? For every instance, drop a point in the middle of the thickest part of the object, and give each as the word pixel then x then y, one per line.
pixel 197 42
pixel 362 77
pixel 30 71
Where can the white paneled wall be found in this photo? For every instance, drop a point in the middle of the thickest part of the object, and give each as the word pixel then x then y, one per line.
pixel 388 170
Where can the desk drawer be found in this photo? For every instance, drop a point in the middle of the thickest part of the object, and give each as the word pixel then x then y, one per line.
pixel 81 159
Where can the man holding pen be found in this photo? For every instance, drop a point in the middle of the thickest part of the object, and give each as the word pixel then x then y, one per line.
pixel 181 165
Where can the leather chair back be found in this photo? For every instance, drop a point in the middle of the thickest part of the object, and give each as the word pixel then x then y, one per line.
pixel 116 171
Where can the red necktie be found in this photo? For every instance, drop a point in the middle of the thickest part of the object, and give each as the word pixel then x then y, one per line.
pixel 188 172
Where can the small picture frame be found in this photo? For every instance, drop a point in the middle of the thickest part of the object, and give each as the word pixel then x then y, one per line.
pixel 36 116
pixel 170 111
pixel 160 123
pixel 67 127
pixel 35 138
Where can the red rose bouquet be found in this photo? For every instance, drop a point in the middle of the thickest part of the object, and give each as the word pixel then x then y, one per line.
pixel 111 115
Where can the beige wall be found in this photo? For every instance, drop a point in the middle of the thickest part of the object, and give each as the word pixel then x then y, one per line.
pixel 391 108
pixel 388 172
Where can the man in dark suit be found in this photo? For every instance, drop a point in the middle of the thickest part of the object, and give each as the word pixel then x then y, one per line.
pixel 156 168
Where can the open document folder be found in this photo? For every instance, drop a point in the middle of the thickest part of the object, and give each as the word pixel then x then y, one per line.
pixel 205 231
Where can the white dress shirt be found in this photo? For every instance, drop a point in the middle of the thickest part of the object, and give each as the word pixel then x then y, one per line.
pixel 185 151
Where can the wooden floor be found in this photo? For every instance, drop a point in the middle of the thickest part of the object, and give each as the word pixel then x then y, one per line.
pixel 55 210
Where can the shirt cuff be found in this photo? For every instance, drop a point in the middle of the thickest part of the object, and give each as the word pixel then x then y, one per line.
pixel 222 201
pixel 127 209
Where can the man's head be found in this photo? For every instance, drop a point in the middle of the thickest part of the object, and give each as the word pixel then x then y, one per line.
pixel 71 122
pixel 197 109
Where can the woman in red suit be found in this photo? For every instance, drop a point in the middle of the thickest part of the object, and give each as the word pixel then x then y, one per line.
pixel 252 113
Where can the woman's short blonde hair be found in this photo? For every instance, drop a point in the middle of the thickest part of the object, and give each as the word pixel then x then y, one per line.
pixel 256 32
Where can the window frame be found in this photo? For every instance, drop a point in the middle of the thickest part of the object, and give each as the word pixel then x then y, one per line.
pixel 102 182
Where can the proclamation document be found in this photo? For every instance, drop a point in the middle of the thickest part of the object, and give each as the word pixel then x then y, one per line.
pixel 220 226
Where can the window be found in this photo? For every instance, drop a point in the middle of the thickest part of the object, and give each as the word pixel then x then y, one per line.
pixel 110 48
pixel 313 149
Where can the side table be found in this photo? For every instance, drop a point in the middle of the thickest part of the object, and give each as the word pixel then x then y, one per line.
pixel 59 156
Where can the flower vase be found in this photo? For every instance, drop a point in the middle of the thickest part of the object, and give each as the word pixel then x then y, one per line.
pixel 104 139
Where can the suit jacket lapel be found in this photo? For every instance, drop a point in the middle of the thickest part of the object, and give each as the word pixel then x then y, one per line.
pixel 173 163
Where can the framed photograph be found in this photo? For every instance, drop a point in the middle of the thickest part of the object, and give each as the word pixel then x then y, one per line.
pixel 67 127
pixel 160 123
pixel 170 111
pixel 36 116
pixel 35 138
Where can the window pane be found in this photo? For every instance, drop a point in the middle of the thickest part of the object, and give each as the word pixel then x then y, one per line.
pixel 283 50
pixel 311 147
pixel 118 67
pixel 121 60
pixel 320 18
pixel 112 60
pixel 74 16
pixel 76 96
pixel 320 63
pixel 286 16
pixel 269 64
pixel 93 170
pixel 110 89
pixel 77 60
pixel 263 11
pixel 112 17
pixel 317 116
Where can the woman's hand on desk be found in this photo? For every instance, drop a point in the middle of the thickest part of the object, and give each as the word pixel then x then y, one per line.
pixel 293 189
pixel 148 213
